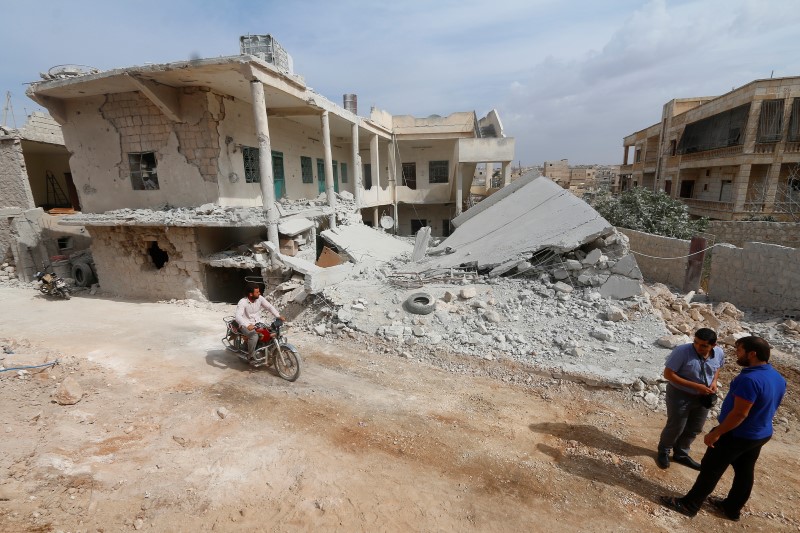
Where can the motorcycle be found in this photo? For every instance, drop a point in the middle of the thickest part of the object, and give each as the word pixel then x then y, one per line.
pixel 51 284
pixel 272 348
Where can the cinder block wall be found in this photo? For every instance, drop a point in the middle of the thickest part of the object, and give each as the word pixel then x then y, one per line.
pixel 14 189
pixel 125 268
pixel 668 271
pixel 740 232
pixel 756 275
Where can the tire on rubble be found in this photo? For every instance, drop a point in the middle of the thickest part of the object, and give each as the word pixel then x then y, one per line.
pixel 82 274
pixel 420 303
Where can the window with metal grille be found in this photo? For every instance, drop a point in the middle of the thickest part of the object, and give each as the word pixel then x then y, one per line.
pixel 410 175
pixel 344 172
pixel 251 170
pixel 306 169
pixel 794 121
pixel 771 121
pixel 438 171
pixel 367 176
pixel 143 171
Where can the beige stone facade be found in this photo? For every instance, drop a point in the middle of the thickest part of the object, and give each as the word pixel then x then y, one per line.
pixel 730 157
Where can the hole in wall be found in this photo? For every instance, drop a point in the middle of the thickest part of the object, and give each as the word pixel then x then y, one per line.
pixel 159 256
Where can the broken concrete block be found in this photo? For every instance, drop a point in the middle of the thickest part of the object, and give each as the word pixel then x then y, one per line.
pixel 394 331
pixel 358 306
pixel 344 316
pixel 619 287
pixel 421 243
pixel 69 392
pixel 602 334
pixel 478 304
pixel 730 340
pixel 672 341
pixel 468 292
pixel 222 412
pixel 626 266
pixel 418 331
pixel 560 273
pixel 448 296
pixel 320 329
pixel 562 287
pixel 492 316
pixel 615 314
pixel 572 264
pixel 592 257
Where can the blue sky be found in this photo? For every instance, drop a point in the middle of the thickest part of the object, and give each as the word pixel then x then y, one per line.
pixel 569 78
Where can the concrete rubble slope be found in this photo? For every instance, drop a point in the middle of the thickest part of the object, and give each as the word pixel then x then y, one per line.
pixel 360 242
pixel 537 216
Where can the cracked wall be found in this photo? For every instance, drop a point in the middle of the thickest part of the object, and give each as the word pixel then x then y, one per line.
pixel 15 190
pixel 126 268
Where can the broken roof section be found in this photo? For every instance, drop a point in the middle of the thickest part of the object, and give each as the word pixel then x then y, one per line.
pixel 361 242
pixel 538 215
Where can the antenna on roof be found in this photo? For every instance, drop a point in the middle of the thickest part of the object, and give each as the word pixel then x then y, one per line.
pixel 6 108
pixel 771 74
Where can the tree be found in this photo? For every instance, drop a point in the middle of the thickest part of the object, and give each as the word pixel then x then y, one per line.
pixel 652 212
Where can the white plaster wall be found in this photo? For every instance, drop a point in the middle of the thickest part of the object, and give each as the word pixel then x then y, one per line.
pixel 422 153
pixel 381 192
pixel 482 150
pixel 38 164
pixel 434 214
pixel 14 187
pixel 287 136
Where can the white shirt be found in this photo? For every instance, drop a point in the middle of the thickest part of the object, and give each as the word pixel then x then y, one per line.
pixel 248 313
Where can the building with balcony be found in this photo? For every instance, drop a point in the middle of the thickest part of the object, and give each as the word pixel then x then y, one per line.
pixel 729 157
pixel 242 132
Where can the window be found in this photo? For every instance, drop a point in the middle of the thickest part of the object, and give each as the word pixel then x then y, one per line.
pixel 771 121
pixel 367 176
pixel 725 191
pixel 638 157
pixel 673 147
pixel 794 121
pixel 279 178
pixel 717 131
pixel 252 173
pixel 306 169
pixel 410 175
pixel 417 224
pixel 344 172
pixel 438 171
pixel 143 171
pixel 447 227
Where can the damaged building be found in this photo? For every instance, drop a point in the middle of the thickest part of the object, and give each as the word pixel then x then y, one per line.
pixel 177 163
pixel 37 190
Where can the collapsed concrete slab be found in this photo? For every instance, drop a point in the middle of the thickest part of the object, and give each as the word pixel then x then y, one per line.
pixel 538 215
pixel 360 242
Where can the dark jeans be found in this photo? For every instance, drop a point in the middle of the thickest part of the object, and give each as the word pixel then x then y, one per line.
pixel 742 455
pixel 685 420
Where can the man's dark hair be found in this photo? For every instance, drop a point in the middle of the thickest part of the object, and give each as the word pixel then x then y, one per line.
pixel 708 335
pixel 755 344
pixel 250 288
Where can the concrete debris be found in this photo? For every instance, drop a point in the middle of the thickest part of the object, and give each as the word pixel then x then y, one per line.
pixel 421 243
pixel 467 292
pixel 361 242
pixel 222 412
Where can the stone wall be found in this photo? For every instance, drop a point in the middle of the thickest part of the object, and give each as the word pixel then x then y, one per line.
pixel 125 266
pixel 668 271
pixel 756 275
pixel 740 232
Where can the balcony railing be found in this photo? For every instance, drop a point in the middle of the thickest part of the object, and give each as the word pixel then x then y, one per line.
pixel 708 204
pixel 712 154
pixel 764 148
pixel 792 148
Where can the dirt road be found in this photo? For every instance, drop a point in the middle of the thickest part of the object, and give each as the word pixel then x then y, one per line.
pixel 362 442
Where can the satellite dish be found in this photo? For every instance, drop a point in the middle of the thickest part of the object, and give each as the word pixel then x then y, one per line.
pixel 387 222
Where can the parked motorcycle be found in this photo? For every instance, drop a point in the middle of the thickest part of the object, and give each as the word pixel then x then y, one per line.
pixel 51 284
pixel 272 348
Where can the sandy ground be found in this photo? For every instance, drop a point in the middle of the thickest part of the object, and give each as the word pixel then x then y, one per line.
pixel 361 442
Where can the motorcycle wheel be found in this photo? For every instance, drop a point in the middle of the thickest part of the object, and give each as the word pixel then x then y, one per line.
pixel 65 294
pixel 287 364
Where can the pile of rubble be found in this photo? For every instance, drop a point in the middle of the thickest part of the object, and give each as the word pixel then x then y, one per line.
pixel 8 271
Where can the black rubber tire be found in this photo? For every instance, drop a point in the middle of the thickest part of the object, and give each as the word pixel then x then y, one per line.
pixel 82 274
pixel 287 364
pixel 420 303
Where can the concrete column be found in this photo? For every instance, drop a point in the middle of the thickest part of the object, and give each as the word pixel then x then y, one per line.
pixel 376 218
pixel 326 145
pixel 772 182
pixel 740 184
pixel 751 130
pixel 358 184
pixel 459 189
pixel 506 173
pixel 393 180
pixel 374 161
pixel 265 161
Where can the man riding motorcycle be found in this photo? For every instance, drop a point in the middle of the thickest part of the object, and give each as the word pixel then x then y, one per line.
pixel 248 314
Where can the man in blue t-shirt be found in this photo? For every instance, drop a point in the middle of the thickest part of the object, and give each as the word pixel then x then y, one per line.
pixel 691 371
pixel 745 425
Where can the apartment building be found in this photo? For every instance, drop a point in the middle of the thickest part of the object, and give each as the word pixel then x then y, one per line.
pixel 729 157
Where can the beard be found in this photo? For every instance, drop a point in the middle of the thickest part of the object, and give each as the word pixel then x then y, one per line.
pixel 743 361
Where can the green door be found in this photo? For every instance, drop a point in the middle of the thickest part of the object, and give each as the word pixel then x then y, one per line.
pixel 321 175
pixel 336 176
pixel 279 176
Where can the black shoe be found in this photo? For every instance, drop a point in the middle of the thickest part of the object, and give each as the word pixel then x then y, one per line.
pixel 685 460
pixel 719 505
pixel 663 460
pixel 676 505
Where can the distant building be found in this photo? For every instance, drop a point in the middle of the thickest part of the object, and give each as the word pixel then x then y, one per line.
pixel 730 157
